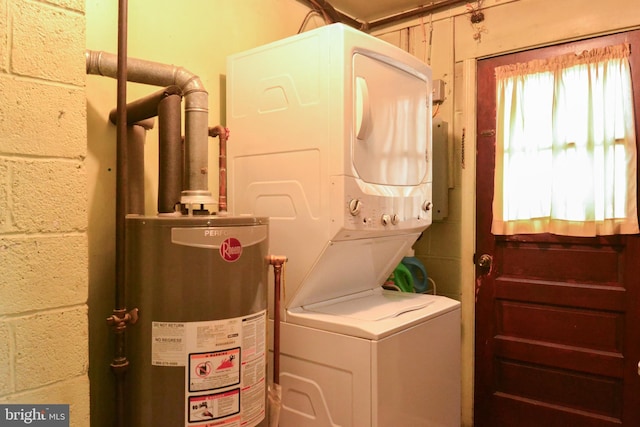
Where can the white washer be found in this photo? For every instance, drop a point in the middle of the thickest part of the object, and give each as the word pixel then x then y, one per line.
pixel 376 359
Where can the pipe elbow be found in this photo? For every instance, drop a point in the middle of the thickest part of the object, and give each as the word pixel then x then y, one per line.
pixel 277 260
pixel 219 131
pixel 188 81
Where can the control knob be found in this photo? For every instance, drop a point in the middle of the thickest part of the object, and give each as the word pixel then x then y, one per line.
pixel 355 206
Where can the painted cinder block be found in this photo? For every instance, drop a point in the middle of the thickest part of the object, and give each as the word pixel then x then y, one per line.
pixel 49 196
pixel 43 206
pixel 5 359
pixel 40 119
pixel 4 47
pixel 77 5
pixel 73 392
pixel 58 37
pixel 50 347
pixel 4 196
pixel 41 273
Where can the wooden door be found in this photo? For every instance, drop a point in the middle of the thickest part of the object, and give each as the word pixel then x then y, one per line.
pixel 557 318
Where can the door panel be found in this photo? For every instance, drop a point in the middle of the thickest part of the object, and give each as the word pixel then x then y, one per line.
pixel 557 335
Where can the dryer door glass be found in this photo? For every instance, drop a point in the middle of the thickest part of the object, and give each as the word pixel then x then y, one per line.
pixel 389 134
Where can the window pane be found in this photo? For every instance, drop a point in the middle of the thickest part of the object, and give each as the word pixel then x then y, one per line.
pixel 566 147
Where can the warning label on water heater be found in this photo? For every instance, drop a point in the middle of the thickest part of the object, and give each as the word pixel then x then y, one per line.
pixel 209 407
pixel 214 370
pixel 225 380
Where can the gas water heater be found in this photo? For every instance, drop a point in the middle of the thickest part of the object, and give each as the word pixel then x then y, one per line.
pixel 198 351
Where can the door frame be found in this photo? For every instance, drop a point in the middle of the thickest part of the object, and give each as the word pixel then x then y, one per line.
pixel 468 145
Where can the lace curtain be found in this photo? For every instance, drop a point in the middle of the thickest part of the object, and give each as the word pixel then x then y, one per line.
pixel 566 146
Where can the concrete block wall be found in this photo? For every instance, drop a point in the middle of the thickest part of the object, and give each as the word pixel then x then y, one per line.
pixel 43 206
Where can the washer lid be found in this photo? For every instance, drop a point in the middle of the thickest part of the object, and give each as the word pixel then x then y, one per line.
pixel 373 314
pixel 372 306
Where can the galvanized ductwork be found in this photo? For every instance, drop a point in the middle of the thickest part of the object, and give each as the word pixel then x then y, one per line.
pixel 196 113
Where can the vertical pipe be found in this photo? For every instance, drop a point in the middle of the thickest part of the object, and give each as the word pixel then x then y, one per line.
pixel 223 134
pixel 121 151
pixel 222 173
pixel 135 163
pixel 276 324
pixel 277 262
pixel 120 362
pixel 170 153
pixel 196 148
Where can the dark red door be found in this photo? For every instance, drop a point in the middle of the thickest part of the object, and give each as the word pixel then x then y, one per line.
pixel 557 318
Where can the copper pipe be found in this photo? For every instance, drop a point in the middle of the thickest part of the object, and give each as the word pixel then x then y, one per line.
pixel 223 134
pixel 277 262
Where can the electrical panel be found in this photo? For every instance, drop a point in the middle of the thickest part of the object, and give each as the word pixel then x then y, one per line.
pixel 440 150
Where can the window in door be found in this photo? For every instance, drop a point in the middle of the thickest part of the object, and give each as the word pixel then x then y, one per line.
pixel 565 146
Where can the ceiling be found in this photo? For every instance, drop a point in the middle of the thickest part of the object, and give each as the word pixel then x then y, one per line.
pixel 378 12
pixel 368 10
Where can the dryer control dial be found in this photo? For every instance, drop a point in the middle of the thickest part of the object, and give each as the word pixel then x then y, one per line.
pixel 355 206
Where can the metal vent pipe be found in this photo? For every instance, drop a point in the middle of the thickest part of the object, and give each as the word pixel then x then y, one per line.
pixel 135 168
pixel 166 105
pixel 196 113
pixel 170 156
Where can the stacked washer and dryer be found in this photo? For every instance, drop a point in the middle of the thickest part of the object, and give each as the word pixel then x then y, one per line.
pixel 331 139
